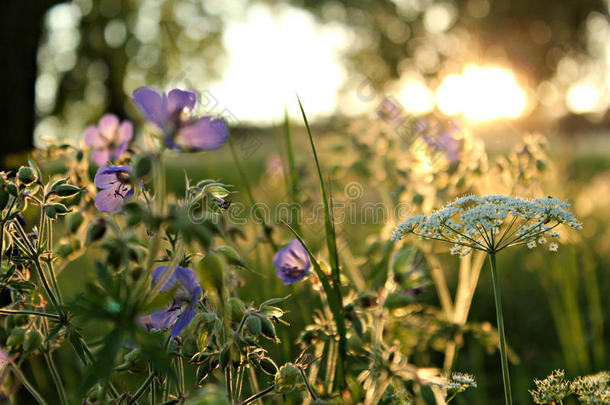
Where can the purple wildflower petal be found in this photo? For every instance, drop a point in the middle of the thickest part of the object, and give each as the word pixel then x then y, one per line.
pixel 162 319
pixel 159 273
pixel 106 175
pixel 187 316
pixel 107 200
pixel 119 150
pixel 204 134
pixel 188 279
pixel 93 138
pixel 125 132
pixel 108 125
pixel 177 100
pixel 152 105
pixel 100 156
pixel 292 262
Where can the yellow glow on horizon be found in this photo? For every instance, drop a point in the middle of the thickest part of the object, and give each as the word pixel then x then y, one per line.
pixel 481 93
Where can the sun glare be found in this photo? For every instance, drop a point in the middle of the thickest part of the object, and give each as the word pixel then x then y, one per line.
pixel 481 93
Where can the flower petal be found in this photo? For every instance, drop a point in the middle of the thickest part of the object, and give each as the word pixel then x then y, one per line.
pixel 204 134
pixel 177 100
pixel 119 150
pixel 185 317
pixel 106 175
pixel 162 319
pixel 159 273
pixel 107 200
pixel 101 157
pixel 188 279
pixel 108 125
pixel 152 105
pixel 93 138
pixel 125 132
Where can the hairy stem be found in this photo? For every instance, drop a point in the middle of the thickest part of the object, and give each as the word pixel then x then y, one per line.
pixel 498 299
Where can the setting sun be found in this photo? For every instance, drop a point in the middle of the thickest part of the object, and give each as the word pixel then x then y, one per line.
pixel 481 93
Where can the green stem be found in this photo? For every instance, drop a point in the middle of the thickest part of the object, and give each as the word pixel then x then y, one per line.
pixel 28 386
pixel 258 395
pixel 142 388
pixel 244 179
pixel 56 379
pixel 27 312
pixel 498 299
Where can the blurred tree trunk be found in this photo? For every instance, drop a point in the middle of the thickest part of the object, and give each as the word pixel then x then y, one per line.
pixel 21 23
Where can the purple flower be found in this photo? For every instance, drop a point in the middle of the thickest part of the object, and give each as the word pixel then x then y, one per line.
pixel 172 114
pixel 292 262
pixel 115 187
pixel 182 308
pixel 441 138
pixel 108 139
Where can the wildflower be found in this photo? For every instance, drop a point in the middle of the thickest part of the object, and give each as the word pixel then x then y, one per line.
pixel 552 389
pixel 182 308
pixel 292 262
pixel 441 138
pixel 491 223
pixel 116 187
pixel 542 240
pixel 286 378
pixel 172 114
pixel 553 246
pixel 108 139
pixel 593 389
pixel 460 382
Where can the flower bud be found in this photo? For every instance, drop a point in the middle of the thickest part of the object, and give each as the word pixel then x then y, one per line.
pixel 26 175
pixel 253 323
pixel 236 309
pixel 32 340
pixel 267 329
pixel 3 198
pixel 268 366
pixel 142 166
pixel 74 221
pixel 286 378
pixel 96 230
pixel 66 190
pixel 16 338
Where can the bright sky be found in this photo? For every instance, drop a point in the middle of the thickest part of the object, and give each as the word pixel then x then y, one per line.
pixel 276 55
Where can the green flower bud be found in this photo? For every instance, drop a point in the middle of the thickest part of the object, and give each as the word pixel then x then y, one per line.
pixel 66 190
pixel 268 366
pixel 74 221
pixel 26 175
pixel 16 338
pixel 50 212
pixel 236 309
pixel 32 340
pixel 267 329
pixel 397 299
pixel 3 198
pixel 211 271
pixel 253 323
pixel 286 378
pixel 142 166
pixel 96 230
pixel 231 255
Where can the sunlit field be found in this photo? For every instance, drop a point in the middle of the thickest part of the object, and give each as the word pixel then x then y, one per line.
pixel 234 203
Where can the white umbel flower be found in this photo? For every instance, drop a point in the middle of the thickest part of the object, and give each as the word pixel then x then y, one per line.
pixel 553 246
pixel 491 223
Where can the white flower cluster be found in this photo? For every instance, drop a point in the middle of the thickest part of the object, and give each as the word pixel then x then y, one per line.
pixel 459 382
pixel 492 223
pixel 552 389
pixel 593 389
